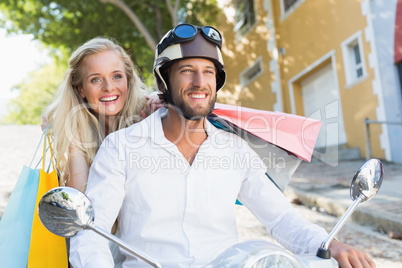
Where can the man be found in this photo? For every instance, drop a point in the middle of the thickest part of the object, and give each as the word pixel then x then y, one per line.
pixel 172 180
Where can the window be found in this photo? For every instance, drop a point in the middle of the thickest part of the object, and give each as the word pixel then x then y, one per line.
pixel 251 73
pixel 353 59
pixel 288 6
pixel 245 16
pixel 399 67
pixel 356 61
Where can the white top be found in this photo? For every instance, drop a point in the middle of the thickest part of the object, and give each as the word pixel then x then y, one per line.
pixel 181 215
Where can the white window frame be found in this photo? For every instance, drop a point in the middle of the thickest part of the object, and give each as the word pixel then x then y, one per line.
pixel 349 63
pixel 245 74
pixel 242 27
pixel 286 13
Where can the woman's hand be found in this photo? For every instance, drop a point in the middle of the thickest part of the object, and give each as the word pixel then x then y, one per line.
pixel 153 104
pixel 44 124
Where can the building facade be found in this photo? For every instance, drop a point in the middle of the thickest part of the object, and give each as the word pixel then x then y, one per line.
pixel 329 60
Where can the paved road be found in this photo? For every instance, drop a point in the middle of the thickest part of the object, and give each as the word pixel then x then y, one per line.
pixel 386 252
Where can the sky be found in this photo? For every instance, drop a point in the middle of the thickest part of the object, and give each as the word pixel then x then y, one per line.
pixel 18 56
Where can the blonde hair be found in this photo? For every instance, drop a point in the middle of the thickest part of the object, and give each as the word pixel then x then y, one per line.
pixel 73 124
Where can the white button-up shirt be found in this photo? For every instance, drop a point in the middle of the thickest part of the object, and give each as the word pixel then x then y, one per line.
pixel 181 215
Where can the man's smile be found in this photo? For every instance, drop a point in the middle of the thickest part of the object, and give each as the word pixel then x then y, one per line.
pixel 197 95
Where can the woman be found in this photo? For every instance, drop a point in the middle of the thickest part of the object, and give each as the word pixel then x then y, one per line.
pixel 101 93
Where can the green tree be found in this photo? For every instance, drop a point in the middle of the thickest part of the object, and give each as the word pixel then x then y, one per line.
pixel 137 25
pixel 36 92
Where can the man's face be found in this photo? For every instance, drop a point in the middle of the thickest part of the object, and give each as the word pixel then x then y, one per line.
pixel 193 86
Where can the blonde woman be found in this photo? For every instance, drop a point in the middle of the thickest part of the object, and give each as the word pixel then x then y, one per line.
pixel 101 93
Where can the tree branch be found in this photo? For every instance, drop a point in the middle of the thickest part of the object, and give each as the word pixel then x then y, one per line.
pixel 158 22
pixel 173 11
pixel 134 18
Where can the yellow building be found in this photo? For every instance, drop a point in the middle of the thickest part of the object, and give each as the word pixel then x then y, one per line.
pixel 318 58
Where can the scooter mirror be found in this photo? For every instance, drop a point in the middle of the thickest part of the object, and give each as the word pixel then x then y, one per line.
pixel 367 180
pixel 64 211
pixel 364 186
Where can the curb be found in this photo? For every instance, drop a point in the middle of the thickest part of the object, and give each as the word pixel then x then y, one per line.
pixel 369 213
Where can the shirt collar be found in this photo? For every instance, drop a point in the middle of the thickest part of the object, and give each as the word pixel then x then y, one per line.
pixel 152 127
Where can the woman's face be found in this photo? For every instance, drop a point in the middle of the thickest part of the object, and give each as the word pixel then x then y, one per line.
pixel 104 83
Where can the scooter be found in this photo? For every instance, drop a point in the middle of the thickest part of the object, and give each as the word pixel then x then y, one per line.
pixel 64 211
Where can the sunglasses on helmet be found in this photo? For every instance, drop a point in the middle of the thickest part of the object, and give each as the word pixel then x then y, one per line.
pixel 187 32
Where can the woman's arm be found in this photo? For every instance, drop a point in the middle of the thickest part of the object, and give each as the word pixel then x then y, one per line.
pixel 78 170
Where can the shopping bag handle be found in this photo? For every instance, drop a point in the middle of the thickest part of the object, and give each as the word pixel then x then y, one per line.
pixel 37 148
pixel 51 153
pixel 45 149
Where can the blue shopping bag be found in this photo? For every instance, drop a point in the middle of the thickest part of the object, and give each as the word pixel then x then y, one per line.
pixel 16 222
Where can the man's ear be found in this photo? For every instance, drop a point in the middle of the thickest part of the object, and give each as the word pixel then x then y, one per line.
pixel 81 91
